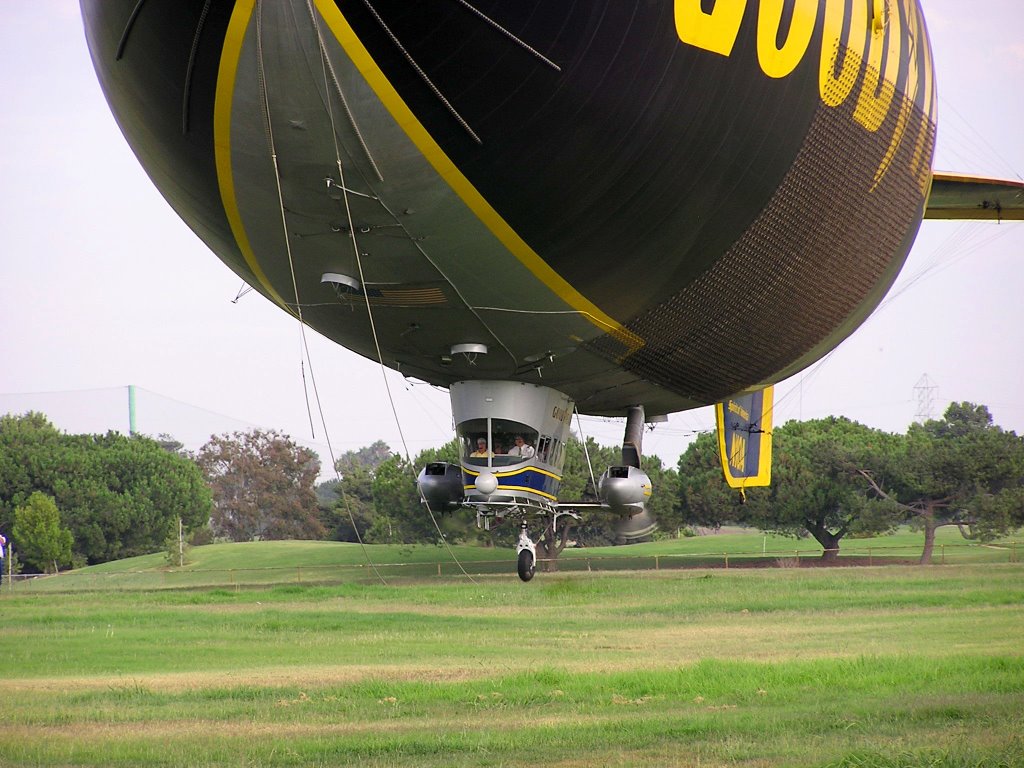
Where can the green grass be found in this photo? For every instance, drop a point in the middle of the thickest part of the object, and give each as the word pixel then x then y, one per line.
pixel 259 564
pixel 895 666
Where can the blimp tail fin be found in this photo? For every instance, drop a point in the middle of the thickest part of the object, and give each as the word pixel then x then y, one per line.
pixel 960 196
pixel 745 438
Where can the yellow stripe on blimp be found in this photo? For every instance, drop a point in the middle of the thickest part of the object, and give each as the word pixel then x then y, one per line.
pixel 448 171
pixel 227 74
pixel 515 488
pixel 515 472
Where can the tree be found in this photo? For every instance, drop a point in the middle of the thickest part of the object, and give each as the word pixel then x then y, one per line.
pixel 820 483
pixel 42 541
pixel 705 498
pixel 368 457
pixel 400 518
pixel 345 501
pixel 170 444
pixel 596 527
pixel 401 515
pixel 120 496
pixel 960 470
pixel 664 501
pixel 262 486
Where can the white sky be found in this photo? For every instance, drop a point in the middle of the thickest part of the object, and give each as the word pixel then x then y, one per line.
pixel 102 286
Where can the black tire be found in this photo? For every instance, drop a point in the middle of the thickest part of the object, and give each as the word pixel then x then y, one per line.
pixel 526 566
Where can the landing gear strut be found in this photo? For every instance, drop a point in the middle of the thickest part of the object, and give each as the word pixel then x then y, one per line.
pixel 527 560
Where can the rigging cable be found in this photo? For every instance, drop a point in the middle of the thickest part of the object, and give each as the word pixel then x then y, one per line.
pixel 586 451
pixel 325 61
pixel 369 309
pixel 187 94
pixel 265 108
pixel 509 35
pixel 345 189
pixel 127 30
pixel 419 71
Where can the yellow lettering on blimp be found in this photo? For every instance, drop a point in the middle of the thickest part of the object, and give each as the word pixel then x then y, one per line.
pixel 906 108
pixel 920 83
pixel 862 44
pixel 884 47
pixel 715 31
pixel 738 452
pixel 779 62
pixel 835 88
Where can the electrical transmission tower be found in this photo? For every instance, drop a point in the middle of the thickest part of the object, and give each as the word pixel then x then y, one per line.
pixel 924 393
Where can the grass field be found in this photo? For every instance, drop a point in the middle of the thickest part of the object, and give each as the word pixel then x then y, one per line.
pixel 876 666
pixel 325 562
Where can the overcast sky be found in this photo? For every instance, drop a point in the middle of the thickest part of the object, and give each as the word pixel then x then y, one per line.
pixel 102 286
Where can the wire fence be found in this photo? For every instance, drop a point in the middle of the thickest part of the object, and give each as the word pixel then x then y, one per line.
pixel 573 560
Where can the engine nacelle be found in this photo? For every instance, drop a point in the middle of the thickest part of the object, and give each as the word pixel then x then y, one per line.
pixel 440 483
pixel 624 490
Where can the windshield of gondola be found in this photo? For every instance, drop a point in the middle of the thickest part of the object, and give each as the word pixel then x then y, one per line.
pixel 507 442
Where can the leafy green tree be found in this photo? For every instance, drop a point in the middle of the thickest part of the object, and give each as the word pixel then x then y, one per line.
pixel 449 452
pixel 704 498
pixel 401 515
pixel 346 500
pixel 120 496
pixel 596 527
pixel 396 504
pixel 171 444
pixel 820 483
pixel 959 470
pixel 368 457
pixel 30 447
pixel 262 486
pixel 664 502
pixel 42 541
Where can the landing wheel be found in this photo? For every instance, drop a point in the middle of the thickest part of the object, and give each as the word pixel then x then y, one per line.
pixel 527 566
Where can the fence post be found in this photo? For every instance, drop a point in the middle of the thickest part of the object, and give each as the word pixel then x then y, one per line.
pixel 438 569
pixel 726 560
pixel 870 561
pixel 657 564
pixel 589 569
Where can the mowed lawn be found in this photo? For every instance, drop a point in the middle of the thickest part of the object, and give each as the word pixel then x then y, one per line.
pixel 255 564
pixel 872 666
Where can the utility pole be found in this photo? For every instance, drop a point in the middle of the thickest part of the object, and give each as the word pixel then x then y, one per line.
pixel 924 393
pixel 131 410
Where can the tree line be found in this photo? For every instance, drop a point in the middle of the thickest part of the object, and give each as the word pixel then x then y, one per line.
pixel 834 478
pixel 82 499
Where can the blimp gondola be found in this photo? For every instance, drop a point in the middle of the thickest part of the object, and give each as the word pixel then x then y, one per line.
pixel 616 207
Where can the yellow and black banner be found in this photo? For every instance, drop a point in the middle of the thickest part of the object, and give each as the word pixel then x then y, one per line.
pixel 745 438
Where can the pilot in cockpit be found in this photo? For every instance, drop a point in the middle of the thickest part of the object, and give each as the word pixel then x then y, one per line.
pixel 522 448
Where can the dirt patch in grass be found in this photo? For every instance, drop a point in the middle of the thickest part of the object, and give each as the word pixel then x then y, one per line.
pixel 268 678
pixel 206 729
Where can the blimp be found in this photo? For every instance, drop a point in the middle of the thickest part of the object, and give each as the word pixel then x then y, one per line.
pixel 607 207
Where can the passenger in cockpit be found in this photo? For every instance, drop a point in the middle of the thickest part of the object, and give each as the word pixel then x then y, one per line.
pixel 481 451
